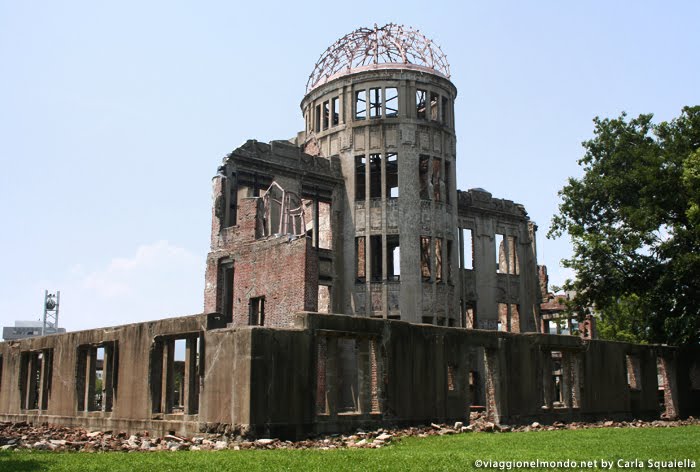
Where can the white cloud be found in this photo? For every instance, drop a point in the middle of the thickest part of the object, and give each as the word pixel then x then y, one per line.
pixel 160 280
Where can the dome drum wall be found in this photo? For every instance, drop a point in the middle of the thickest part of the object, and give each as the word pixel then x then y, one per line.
pixel 393 130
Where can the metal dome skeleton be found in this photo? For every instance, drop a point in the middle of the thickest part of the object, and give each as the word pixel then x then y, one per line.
pixel 387 46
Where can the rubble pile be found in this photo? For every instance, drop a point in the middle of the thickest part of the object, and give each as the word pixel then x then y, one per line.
pixel 57 438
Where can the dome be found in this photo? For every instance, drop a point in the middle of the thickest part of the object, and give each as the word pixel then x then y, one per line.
pixel 389 46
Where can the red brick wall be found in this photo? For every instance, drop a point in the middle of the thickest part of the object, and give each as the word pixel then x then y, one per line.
pixel 284 272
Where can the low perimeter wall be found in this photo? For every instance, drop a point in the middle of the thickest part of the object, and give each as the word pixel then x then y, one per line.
pixel 332 373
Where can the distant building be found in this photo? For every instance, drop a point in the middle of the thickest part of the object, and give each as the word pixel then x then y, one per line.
pixel 27 329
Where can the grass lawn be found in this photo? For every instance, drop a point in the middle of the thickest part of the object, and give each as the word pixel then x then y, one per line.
pixel 455 452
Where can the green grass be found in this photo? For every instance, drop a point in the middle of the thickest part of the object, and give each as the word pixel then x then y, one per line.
pixel 456 452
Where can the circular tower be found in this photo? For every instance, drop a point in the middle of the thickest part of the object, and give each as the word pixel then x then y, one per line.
pixel 380 99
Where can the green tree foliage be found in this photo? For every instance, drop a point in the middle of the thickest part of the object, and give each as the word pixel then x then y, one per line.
pixel 634 220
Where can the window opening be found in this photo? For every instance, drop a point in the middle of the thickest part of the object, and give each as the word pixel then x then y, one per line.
pixel 375 102
pixel 451 386
pixel 391 102
pixel 376 258
pixel 438 259
pixel 233 202
pixel 393 263
pixel 425 257
pixel 467 256
pixel 361 105
pixel 179 377
pixel 503 317
pixel 392 175
pixel 326 114
pixel 360 251
pixel 423 167
pixel 360 170
pixel 375 176
pixel 347 376
pixel 449 260
pixel 325 233
pixel 448 190
pixel 227 290
pixel 420 104
pixel 443 110
pixel 335 105
pixel 256 311
pixel 324 299
pixel 427 320
pixel 99 377
pixel 318 118
pixel 501 260
pixel 513 263
pixel 633 372
pixel 557 380
pixel 434 97
pixel 176 365
pixel 436 180
pixel 470 315
pixel 36 370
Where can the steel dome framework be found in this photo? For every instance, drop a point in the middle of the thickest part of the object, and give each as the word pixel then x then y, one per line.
pixel 385 46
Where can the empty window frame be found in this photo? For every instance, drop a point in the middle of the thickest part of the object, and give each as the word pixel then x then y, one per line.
pixel 318 118
pixel 1 366
pixel 423 170
pixel 375 102
pixel 451 377
pixel 324 299
pixel 436 180
pixel 393 260
pixel 557 388
pixel 232 202
pixel 392 175
pixel 256 311
pixel 175 371
pixel 506 255
pixel 326 114
pixel 444 110
pixel 434 106
pixel 425 258
pixel 466 257
pixel 360 183
pixel 509 317
pixel 421 98
pixel 376 258
pixel 36 371
pixel 322 221
pixel 226 274
pixel 469 315
pixel 335 107
pixel 355 373
pixel 448 266
pixel 438 260
pixel 375 176
pixel 97 376
pixel 360 259
pixel 360 104
pixel 633 369
pixel 348 375
pixel 391 102
pixel 448 190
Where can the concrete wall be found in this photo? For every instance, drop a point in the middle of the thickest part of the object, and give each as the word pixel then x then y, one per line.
pixel 331 373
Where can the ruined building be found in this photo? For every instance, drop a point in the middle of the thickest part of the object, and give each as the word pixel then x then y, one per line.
pixel 350 284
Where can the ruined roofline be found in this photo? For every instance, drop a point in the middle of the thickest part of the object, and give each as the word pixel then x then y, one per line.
pixel 480 199
pixel 283 155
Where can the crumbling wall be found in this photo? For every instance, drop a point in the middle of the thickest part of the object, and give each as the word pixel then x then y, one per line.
pixel 332 373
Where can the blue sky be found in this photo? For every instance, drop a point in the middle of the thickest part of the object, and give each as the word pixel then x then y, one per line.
pixel 114 117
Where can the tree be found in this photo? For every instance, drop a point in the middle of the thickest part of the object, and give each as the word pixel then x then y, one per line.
pixel 634 220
